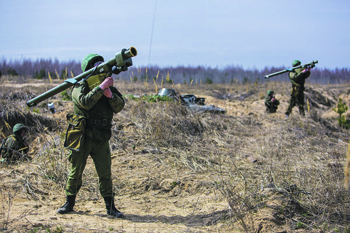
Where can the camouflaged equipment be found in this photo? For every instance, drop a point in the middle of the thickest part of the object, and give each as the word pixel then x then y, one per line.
pixel 89 60
pixel 119 63
pixel 18 127
pixel 307 65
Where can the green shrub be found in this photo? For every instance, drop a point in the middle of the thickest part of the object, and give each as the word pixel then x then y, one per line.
pixel 156 98
pixel 341 109
pixel 65 95
pixel 12 72
pixel 245 80
pixel 40 75
pixel 149 98
pixel 208 81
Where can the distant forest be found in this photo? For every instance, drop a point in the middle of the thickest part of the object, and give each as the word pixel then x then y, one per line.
pixel 48 68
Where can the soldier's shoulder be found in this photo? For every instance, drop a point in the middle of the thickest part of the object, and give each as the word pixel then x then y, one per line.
pixel 11 139
pixel 81 87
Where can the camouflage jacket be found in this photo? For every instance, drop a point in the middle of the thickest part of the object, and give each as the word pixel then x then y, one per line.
pixel 271 106
pixel 95 106
pixel 14 148
pixel 298 77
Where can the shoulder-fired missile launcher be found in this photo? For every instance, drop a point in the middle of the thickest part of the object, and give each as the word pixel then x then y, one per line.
pixel 121 61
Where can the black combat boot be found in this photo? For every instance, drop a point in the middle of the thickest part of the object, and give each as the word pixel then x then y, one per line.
pixel 301 110
pixel 111 210
pixel 68 206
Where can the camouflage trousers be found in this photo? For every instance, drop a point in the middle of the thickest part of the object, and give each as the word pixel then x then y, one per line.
pixel 101 155
pixel 271 109
pixel 296 100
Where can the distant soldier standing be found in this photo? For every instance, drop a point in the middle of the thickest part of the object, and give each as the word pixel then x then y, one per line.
pixel 95 104
pixel 298 77
pixel 15 147
pixel 271 102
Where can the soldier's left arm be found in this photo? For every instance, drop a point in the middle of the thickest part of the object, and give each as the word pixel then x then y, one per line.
pixel 117 102
pixel 307 74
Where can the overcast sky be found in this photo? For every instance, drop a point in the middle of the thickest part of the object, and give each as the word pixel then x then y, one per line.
pixel 211 33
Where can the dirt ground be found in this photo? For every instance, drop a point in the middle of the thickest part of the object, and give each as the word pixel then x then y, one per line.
pixel 29 203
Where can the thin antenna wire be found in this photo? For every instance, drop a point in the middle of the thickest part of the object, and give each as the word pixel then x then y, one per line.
pixel 150 45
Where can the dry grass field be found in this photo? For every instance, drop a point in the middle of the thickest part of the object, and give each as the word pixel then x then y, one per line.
pixel 178 171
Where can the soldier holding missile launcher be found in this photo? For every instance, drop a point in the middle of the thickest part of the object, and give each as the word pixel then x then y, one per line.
pixel 94 105
pixel 89 128
pixel 95 100
pixel 297 75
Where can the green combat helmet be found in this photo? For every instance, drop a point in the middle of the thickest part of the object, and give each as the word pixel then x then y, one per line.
pixel 269 92
pixel 18 127
pixel 89 61
pixel 296 63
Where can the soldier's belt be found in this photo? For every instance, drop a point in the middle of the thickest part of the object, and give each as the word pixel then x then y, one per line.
pixel 99 122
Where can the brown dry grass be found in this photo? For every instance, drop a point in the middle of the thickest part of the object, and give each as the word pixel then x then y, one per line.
pixel 176 171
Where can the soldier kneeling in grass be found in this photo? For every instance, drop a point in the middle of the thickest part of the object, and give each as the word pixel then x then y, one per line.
pixel 14 147
pixel 271 102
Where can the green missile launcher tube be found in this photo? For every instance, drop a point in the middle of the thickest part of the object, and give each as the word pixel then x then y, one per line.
pixel 121 61
pixel 311 65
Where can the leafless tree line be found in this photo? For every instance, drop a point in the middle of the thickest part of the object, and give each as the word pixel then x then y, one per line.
pixel 41 68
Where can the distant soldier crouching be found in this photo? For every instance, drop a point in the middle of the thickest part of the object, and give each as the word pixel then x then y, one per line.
pixel 14 147
pixel 271 102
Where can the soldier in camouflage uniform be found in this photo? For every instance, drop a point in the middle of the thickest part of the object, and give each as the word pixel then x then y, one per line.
pixel 97 105
pixel 297 77
pixel 15 147
pixel 271 102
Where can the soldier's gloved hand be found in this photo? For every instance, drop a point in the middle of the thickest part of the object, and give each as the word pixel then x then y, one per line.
pixel 107 92
pixel 106 83
pixel 307 69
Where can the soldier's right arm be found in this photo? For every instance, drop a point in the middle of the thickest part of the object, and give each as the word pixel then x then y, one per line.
pixel 268 101
pixel 291 76
pixel 84 98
